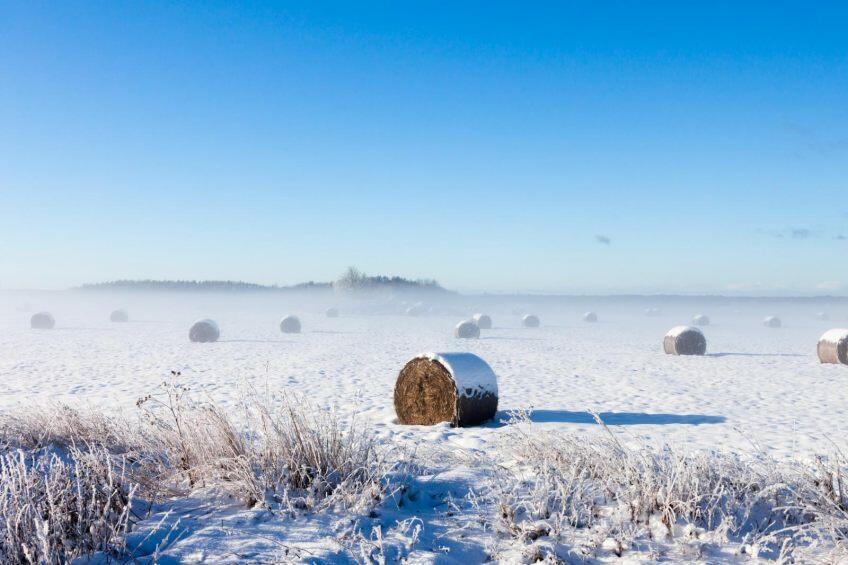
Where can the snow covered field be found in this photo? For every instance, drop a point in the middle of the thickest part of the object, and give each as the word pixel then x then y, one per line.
pixel 758 389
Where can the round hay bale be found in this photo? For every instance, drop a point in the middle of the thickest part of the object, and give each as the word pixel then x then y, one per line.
pixel 332 312
pixel 290 325
pixel 653 312
pixel 701 320
pixel 822 316
pixel 459 388
pixel 42 321
pixel 204 331
pixel 685 340
pixel 590 317
pixel 772 322
pixel 119 316
pixel 466 329
pixel 833 346
pixel 530 321
pixel 483 321
pixel 416 310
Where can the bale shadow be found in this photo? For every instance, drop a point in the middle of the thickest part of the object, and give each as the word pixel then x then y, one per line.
pixel 253 341
pixel 611 418
pixel 330 332
pixel 513 338
pixel 756 355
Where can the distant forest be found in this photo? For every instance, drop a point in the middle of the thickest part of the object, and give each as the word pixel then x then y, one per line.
pixel 351 281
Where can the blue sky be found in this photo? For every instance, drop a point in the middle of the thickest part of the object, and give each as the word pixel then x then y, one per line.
pixel 572 147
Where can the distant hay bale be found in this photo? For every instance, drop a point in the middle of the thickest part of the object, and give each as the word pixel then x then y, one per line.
pixel 530 321
pixel 483 321
pixel 701 320
pixel 42 321
pixel 332 312
pixel 466 329
pixel 290 325
pixel 459 388
pixel 119 316
pixel 772 322
pixel 653 312
pixel 590 317
pixel 833 346
pixel 822 316
pixel 685 340
pixel 204 331
pixel 416 310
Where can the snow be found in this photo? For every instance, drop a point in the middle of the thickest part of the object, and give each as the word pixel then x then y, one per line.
pixel 473 376
pixel 757 387
pixel 834 336
pixel 677 331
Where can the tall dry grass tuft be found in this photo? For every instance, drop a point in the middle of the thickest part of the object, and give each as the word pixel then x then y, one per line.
pixel 598 495
pixel 55 508
pixel 69 476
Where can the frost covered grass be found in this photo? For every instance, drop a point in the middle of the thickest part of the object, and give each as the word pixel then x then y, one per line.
pixel 55 508
pixel 69 478
pixel 565 497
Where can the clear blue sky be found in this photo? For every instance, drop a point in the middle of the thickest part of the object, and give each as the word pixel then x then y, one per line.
pixel 573 147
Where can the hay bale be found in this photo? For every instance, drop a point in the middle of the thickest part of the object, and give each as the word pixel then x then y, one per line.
pixel 590 317
pixel 42 321
pixel 822 316
pixel 833 346
pixel 332 312
pixel 416 310
pixel 701 320
pixel 653 312
pixel 483 321
pixel 772 322
pixel 204 331
pixel 530 321
pixel 466 329
pixel 119 316
pixel 685 340
pixel 290 325
pixel 459 388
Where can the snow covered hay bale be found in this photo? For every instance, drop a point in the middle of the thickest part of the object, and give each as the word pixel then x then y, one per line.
pixel 290 325
pixel 822 316
pixel 590 317
pixel 42 321
pixel 459 388
pixel 701 320
pixel 418 309
pixel 653 312
pixel 771 322
pixel 530 321
pixel 833 346
pixel 119 316
pixel 466 329
pixel 332 312
pixel 685 340
pixel 204 331
pixel 483 321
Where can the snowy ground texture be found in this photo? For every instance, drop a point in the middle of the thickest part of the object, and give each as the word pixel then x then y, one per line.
pixel 758 404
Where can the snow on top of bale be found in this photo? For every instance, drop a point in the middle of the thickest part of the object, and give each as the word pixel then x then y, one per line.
pixel 473 376
pixel 834 336
pixel 680 330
